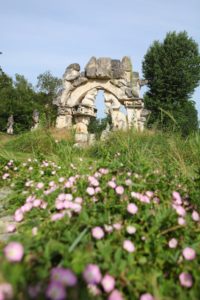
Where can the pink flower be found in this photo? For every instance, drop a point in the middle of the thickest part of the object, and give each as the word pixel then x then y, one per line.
pixel 18 217
pixel 64 276
pixel 173 243
pixel 119 190
pixel 117 226
pixel 14 252
pixel 146 296
pixel 40 185
pixel 115 295
pixel 128 182
pixel 149 194
pixel 180 210
pixel 185 279
pixel 36 203
pixel 97 233
pixel 78 200
pixel 176 196
pixel 195 216
pixel 56 291
pixel 90 190
pixel 128 246
pixel 108 283
pixel 132 208
pixel 131 229
pixel 112 184
pixel 68 197
pixel 181 221
pixel 6 291
pixel 11 228
pixel 56 217
pixel 189 253
pixel 92 274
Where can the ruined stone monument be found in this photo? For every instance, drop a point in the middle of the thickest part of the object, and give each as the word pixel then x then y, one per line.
pixel 121 86
pixel 10 124
pixel 35 118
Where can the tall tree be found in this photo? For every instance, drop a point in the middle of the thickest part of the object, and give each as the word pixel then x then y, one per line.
pixel 48 86
pixel 172 68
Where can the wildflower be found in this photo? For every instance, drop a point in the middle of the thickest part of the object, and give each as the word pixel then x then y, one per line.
pixel 108 228
pixel 64 276
pixel 34 231
pixel 131 229
pixel 40 185
pixel 180 210
pixel 68 197
pixel 149 194
pixel 14 252
pixel 195 216
pixel 173 243
pixel 78 200
pixel 108 283
pixel 115 295
pixel 92 274
pixel 34 290
pixel 181 221
pixel 90 190
pixel 128 182
pixel 18 217
pixel 6 291
pixel 11 228
pixel 132 208
pixel 36 203
pixel 117 226
pixel 189 253
pixel 56 291
pixel 185 279
pixel 119 190
pixel 128 246
pixel 5 176
pixel 177 198
pixel 112 184
pixel 97 233
pixel 56 217
pixel 146 296
pixel 94 290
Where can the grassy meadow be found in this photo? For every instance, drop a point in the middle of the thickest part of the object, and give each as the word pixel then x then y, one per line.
pixel 117 220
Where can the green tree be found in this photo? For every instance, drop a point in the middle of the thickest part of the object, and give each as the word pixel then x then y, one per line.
pixel 172 68
pixel 48 86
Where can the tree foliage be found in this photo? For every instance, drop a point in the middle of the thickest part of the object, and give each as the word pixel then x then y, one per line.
pixel 18 97
pixel 172 68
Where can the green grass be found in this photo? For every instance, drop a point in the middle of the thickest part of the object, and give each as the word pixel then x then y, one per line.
pixel 153 161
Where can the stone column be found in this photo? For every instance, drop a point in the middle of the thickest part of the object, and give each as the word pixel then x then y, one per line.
pixel 130 113
pixel 64 118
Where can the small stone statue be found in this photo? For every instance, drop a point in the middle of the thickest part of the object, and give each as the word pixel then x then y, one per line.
pixel 35 118
pixel 10 125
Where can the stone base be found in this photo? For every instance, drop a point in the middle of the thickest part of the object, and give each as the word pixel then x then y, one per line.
pixel 84 139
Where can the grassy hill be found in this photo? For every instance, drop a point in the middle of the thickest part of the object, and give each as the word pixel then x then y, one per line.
pixel 118 220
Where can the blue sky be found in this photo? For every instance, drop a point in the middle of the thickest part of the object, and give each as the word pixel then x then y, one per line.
pixel 40 35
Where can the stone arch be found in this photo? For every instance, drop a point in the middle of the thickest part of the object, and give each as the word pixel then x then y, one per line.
pixel 114 77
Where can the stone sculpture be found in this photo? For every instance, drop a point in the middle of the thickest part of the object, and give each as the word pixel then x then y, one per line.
pixel 10 125
pixel 35 118
pixel 121 87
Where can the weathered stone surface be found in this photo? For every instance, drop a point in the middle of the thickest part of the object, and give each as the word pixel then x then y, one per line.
pixel 103 70
pixel 74 66
pixel 72 72
pixel 79 81
pixel 126 64
pixel 128 92
pixel 117 71
pixel 91 67
pixel 81 138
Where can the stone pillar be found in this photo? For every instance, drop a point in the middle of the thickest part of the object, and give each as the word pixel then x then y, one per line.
pixel 10 125
pixel 64 118
pixel 130 113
